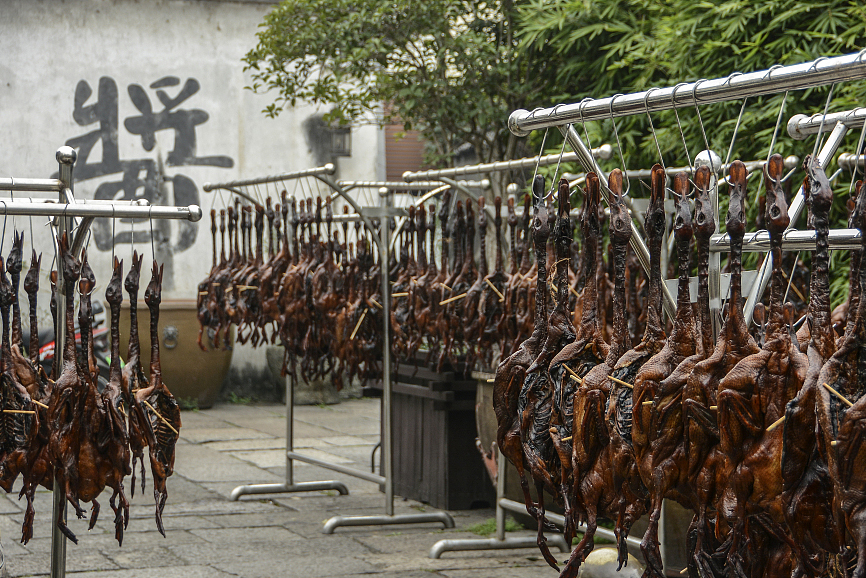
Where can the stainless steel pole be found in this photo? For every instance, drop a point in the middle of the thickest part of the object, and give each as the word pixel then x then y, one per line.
pixel 500 493
pixel 328 169
pixel 839 239
pixel 604 152
pixel 637 244
pixel 387 448
pixel 290 442
pixel 824 155
pixel 801 126
pixel 819 72
pixel 66 157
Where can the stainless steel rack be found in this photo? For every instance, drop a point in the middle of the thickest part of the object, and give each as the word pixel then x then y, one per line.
pixel 822 71
pixel 64 211
pixel 384 212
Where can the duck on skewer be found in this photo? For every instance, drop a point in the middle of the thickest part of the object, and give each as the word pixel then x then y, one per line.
pixel 162 410
pixel 140 436
pixel 575 350
pixel 841 417
pixel 68 399
pixel 805 479
pixel 593 491
pixel 115 436
pixel 751 397
pixel 509 399
pixel 657 426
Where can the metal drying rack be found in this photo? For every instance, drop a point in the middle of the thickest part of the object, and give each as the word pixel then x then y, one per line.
pixel 500 541
pixel 64 211
pixel 819 72
pixel 384 212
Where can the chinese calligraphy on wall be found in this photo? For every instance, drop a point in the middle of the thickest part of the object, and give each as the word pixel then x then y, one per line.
pixel 146 178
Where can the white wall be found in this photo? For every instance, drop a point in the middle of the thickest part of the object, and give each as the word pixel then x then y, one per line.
pixel 50 48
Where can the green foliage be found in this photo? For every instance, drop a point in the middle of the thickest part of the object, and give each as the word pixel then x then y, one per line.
pixel 239 400
pixel 187 403
pixel 601 48
pixel 604 48
pixel 488 527
pixel 448 68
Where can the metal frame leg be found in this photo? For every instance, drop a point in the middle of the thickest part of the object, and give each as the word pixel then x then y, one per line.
pixel 387 455
pixel 500 541
pixel 289 486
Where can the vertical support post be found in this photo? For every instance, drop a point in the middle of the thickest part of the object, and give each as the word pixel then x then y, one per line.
pixel 387 438
pixel 824 155
pixel 500 493
pixel 66 157
pixel 290 442
pixel 714 279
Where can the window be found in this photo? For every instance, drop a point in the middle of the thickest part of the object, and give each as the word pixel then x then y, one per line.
pixel 341 141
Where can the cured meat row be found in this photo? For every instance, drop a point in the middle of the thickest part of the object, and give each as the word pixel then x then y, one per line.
pixel 319 295
pixel 69 430
pixel 764 442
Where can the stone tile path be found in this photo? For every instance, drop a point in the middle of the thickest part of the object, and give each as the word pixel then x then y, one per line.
pixel 260 536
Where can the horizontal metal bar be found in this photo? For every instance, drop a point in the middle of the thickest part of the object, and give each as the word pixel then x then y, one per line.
pixel 801 126
pixel 190 213
pixel 370 477
pixel 31 185
pixel 509 543
pixel 794 240
pixel 255 489
pixel 559 521
pixel 790 162
pixel 328 169
pixel 735 86
pixel 848 161
pixel 384 520
pixel 405 186
pixel 53 201
pixel 603 152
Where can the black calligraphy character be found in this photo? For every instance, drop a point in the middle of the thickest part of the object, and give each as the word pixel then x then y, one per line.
pixel 181 121
pixel 103 111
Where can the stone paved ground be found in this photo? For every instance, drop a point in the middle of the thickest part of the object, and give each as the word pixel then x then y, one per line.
pixel 260 536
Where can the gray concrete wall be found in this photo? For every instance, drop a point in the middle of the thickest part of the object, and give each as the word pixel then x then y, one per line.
pixel 151 93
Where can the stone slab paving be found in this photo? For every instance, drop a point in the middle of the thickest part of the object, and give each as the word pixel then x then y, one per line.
pixel 259 536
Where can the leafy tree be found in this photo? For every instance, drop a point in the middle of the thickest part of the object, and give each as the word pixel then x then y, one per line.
pixel 449 68
pixel 600 48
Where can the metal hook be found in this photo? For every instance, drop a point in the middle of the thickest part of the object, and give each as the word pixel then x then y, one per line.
pixel 770 71
pixel 815 63
pixel 653 128
pixel 152 243
pixel 3 236
pixel 701 122
pixel 731 76
pixel 583 122
pixel 857 156
pixel 788 176
pixel 773 141
pixel 619 144
pixel 734 136
pixel 823 118
pixel 680 126
pixel 534 111
pixel 113 237
pixel 540 152
pixel 553 186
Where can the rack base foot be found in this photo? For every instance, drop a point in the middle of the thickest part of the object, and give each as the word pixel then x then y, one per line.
pixel 442 517
pixel 510 543
pixel 289 488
